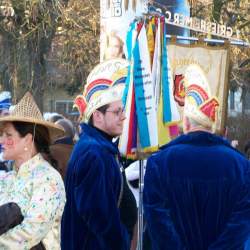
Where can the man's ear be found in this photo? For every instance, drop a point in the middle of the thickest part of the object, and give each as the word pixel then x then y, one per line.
pixel 29 138
pixel 97 117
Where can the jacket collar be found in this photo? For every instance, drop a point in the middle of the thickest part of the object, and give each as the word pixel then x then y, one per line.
pixel 99 137
pixel 200 138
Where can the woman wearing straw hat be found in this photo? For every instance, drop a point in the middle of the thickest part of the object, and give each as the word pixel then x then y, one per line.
pixel 34 185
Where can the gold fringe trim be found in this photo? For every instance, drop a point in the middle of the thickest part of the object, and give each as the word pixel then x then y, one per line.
pixel 150 149
pixel 192 2
pixel 126 4
pixel 131 156
pixel 143 154
pixel 134 5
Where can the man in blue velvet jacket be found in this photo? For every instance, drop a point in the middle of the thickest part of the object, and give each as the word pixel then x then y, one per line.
pixel 94 184
pixel 197 188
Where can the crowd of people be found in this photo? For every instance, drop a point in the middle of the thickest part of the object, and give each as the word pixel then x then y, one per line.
pixel 69 191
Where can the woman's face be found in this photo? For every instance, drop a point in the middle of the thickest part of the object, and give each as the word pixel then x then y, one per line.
pixel 12 143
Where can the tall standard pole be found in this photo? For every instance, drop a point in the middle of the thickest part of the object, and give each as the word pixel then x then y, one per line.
pixel 140 209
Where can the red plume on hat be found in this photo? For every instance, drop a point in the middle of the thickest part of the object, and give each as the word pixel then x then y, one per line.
pixel 209 108
pixel 81 104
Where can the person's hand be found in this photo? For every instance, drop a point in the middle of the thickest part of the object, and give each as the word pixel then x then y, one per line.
pixel 234 143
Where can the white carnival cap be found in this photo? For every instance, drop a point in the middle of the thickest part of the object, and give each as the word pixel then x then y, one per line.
pixel 105 84
pixel 199 105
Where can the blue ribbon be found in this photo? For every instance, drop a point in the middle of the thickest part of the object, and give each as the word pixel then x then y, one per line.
pixel 139 95
pixel 167 117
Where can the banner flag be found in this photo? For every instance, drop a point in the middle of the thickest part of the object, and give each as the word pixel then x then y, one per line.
pixel 140 128
pixel 215 63
pixel 156 67
pixel 154 93
pixel 151 39
pixel 144 97
pixel 128 139
pixel 165 76
pixel 163 81
pixel 130 43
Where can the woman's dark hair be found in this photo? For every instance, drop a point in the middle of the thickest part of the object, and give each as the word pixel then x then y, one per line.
pixel 41 138
pixel 102 109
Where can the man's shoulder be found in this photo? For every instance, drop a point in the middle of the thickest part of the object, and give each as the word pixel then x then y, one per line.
pixel 184 145
pixel 85 154
pixel 158 156
pixel 181 153
pixel 88 143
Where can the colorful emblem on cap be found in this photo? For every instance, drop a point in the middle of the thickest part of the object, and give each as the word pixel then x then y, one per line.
pixel 95 86
pixel 197 93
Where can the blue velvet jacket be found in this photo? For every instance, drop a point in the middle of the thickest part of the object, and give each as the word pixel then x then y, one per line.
pixel 91 219
pixel 197 195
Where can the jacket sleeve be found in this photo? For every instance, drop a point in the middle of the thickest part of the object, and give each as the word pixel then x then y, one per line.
pixel 237 230
pixel 97 202
pixel 6 181
pixel 160 226
pixel 10 216
pixel 47 201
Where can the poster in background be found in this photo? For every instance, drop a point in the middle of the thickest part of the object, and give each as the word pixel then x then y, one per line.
pixel 116 16
pixel 215 63
pixel 174 6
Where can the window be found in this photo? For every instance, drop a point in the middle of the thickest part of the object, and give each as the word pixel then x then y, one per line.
pixel 64 106
pixel 232 100
pixel 247 100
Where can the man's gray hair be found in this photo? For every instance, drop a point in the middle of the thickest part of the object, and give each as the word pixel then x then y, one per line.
pixel 67 126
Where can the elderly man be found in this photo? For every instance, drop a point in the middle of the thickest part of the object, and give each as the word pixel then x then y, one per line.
pixel 94 183
pixel 197 188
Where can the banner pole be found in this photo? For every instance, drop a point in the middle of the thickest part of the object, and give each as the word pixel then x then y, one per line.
pixel 140 209
pixel 208 40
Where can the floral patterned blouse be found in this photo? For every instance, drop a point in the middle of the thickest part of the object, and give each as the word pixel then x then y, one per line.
pixel 39 191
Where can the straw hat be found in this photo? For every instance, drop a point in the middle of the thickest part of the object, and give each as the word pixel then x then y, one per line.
pixel 27 111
